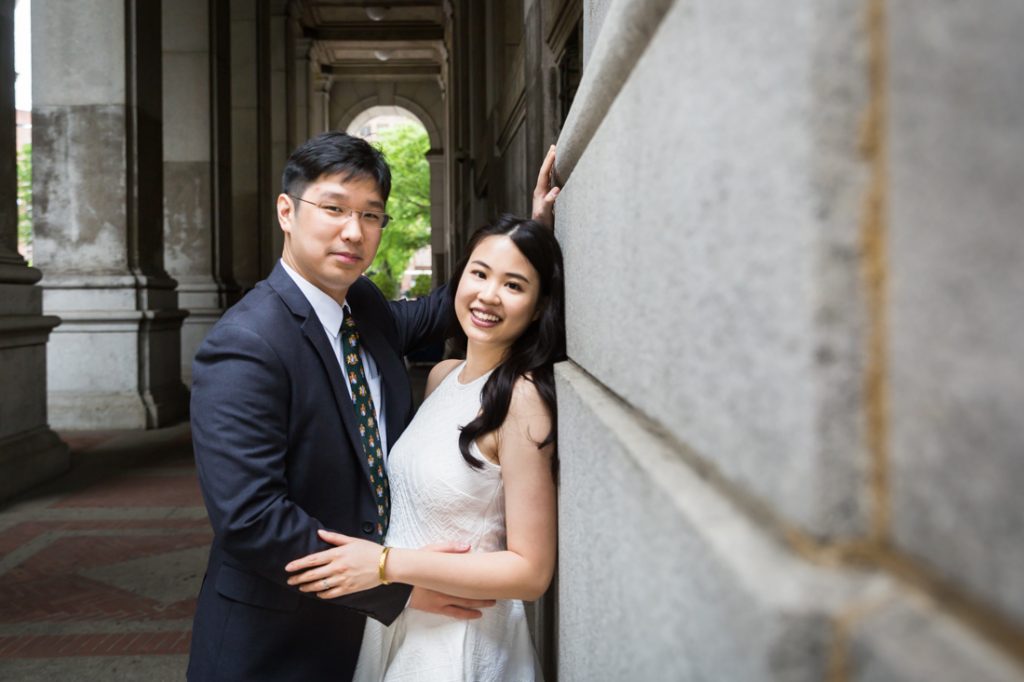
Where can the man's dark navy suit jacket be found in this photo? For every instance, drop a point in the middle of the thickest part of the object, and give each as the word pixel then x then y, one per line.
pixel 279 456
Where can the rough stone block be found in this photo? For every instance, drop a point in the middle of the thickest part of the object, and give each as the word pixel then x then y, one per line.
pixel 909 641
pixel 957 292
pixel 743 334
pixel 661 577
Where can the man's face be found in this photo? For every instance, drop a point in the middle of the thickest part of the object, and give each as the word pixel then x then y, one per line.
pixel 328 251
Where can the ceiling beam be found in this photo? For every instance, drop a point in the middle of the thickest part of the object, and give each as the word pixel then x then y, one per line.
pixel 386 32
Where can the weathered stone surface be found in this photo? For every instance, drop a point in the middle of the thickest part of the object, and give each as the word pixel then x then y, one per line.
pixel 61 38
pixel 78 184
pixel 910 641
pixel 661 577
pixel 957 292
pixel 742 329
pixel 187 219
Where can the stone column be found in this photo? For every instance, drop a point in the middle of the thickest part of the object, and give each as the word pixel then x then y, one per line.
pixel 29 451
pixel 98 184
pixel 438 223
pixel 297 49
pixel 245 145
pixel 275 103
pixel 189 226
pixel 315 84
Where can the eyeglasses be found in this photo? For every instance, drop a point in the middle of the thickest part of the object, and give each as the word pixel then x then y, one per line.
pixel 339 214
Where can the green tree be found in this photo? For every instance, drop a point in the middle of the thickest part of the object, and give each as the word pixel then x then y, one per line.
pixel 404 147
pixel 421 286
pixel 25 195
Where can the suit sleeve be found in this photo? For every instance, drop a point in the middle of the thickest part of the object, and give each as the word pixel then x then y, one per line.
pixel 422 321
pixel 240 401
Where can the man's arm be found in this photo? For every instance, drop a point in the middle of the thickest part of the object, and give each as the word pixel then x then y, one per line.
pixel 423 321
pixel 240 397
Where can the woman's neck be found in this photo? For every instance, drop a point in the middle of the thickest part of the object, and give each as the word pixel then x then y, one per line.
pixel 480 360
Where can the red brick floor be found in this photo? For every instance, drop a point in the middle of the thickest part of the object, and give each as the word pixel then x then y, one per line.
pixel 105 563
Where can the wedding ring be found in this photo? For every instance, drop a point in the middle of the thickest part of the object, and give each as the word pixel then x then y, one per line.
pixel 326 584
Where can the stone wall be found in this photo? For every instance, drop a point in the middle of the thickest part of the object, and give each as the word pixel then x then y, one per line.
pixel 787 426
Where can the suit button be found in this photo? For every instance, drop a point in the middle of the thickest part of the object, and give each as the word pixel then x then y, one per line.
pixel 368 527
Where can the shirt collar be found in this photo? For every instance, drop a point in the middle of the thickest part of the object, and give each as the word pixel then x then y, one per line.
pixel 326 308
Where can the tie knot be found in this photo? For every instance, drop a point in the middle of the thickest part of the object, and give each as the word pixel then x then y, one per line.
pixel 348 323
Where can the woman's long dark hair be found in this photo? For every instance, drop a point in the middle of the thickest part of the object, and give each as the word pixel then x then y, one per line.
pixel 541 344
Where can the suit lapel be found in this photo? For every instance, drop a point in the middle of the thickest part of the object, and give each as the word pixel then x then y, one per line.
pixel 313 330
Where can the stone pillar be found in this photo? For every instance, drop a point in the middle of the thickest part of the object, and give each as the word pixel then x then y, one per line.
pixel 317 102
pixel 326 84
pixel 189 225
pixel 98 184
pixel 438 224
pixel 245 146
pixel 275 103
pixel 298 49
pixel 29 451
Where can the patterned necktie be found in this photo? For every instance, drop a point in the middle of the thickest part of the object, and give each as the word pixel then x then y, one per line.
pixel 367 416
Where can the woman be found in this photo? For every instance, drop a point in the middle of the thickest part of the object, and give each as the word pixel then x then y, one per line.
pixel 475 466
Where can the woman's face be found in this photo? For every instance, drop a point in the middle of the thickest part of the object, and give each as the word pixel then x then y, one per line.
pixel 498 293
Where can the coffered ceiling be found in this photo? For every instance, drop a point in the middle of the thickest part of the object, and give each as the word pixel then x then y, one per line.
pixel 396 40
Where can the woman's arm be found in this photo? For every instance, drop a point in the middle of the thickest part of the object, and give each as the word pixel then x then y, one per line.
pixel 523 571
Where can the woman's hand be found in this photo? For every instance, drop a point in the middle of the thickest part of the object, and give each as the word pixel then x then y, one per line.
pixel 351 566
pixel 544 194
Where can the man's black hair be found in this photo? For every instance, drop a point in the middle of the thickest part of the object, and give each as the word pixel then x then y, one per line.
pixel 332 153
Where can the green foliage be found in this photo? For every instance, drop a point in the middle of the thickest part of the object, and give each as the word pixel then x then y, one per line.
pixel 404 147
pixel 25 195
pixel 421 286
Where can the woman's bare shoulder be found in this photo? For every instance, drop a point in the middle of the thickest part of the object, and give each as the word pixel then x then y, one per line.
pixel 439 372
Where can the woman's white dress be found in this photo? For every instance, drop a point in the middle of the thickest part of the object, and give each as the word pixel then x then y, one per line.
pixel 437 497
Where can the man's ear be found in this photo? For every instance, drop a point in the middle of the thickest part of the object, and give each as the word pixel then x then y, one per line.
pixel 285 212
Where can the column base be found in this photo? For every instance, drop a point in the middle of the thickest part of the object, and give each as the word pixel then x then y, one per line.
pixel 116 371
pixel 98 410
pixel 29 458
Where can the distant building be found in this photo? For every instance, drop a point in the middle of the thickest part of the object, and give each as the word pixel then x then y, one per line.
pixel 419 264
pixel 23 123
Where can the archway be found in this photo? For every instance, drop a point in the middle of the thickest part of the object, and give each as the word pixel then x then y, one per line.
pixel 403 267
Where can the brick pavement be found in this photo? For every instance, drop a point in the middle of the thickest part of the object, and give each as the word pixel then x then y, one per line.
pixel 100 569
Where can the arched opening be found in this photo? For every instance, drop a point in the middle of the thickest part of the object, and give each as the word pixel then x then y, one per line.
pixel 402 267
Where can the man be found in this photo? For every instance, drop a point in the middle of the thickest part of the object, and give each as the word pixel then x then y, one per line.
pixel 288 442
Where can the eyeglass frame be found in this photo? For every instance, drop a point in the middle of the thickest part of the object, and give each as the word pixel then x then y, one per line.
pixel 351 211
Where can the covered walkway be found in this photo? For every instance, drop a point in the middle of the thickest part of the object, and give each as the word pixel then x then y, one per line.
pixel 99 570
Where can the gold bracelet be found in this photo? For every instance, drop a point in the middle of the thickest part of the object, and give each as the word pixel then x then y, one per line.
pixel 382 563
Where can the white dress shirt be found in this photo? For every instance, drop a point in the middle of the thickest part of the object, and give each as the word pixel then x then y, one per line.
pixel 330 315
